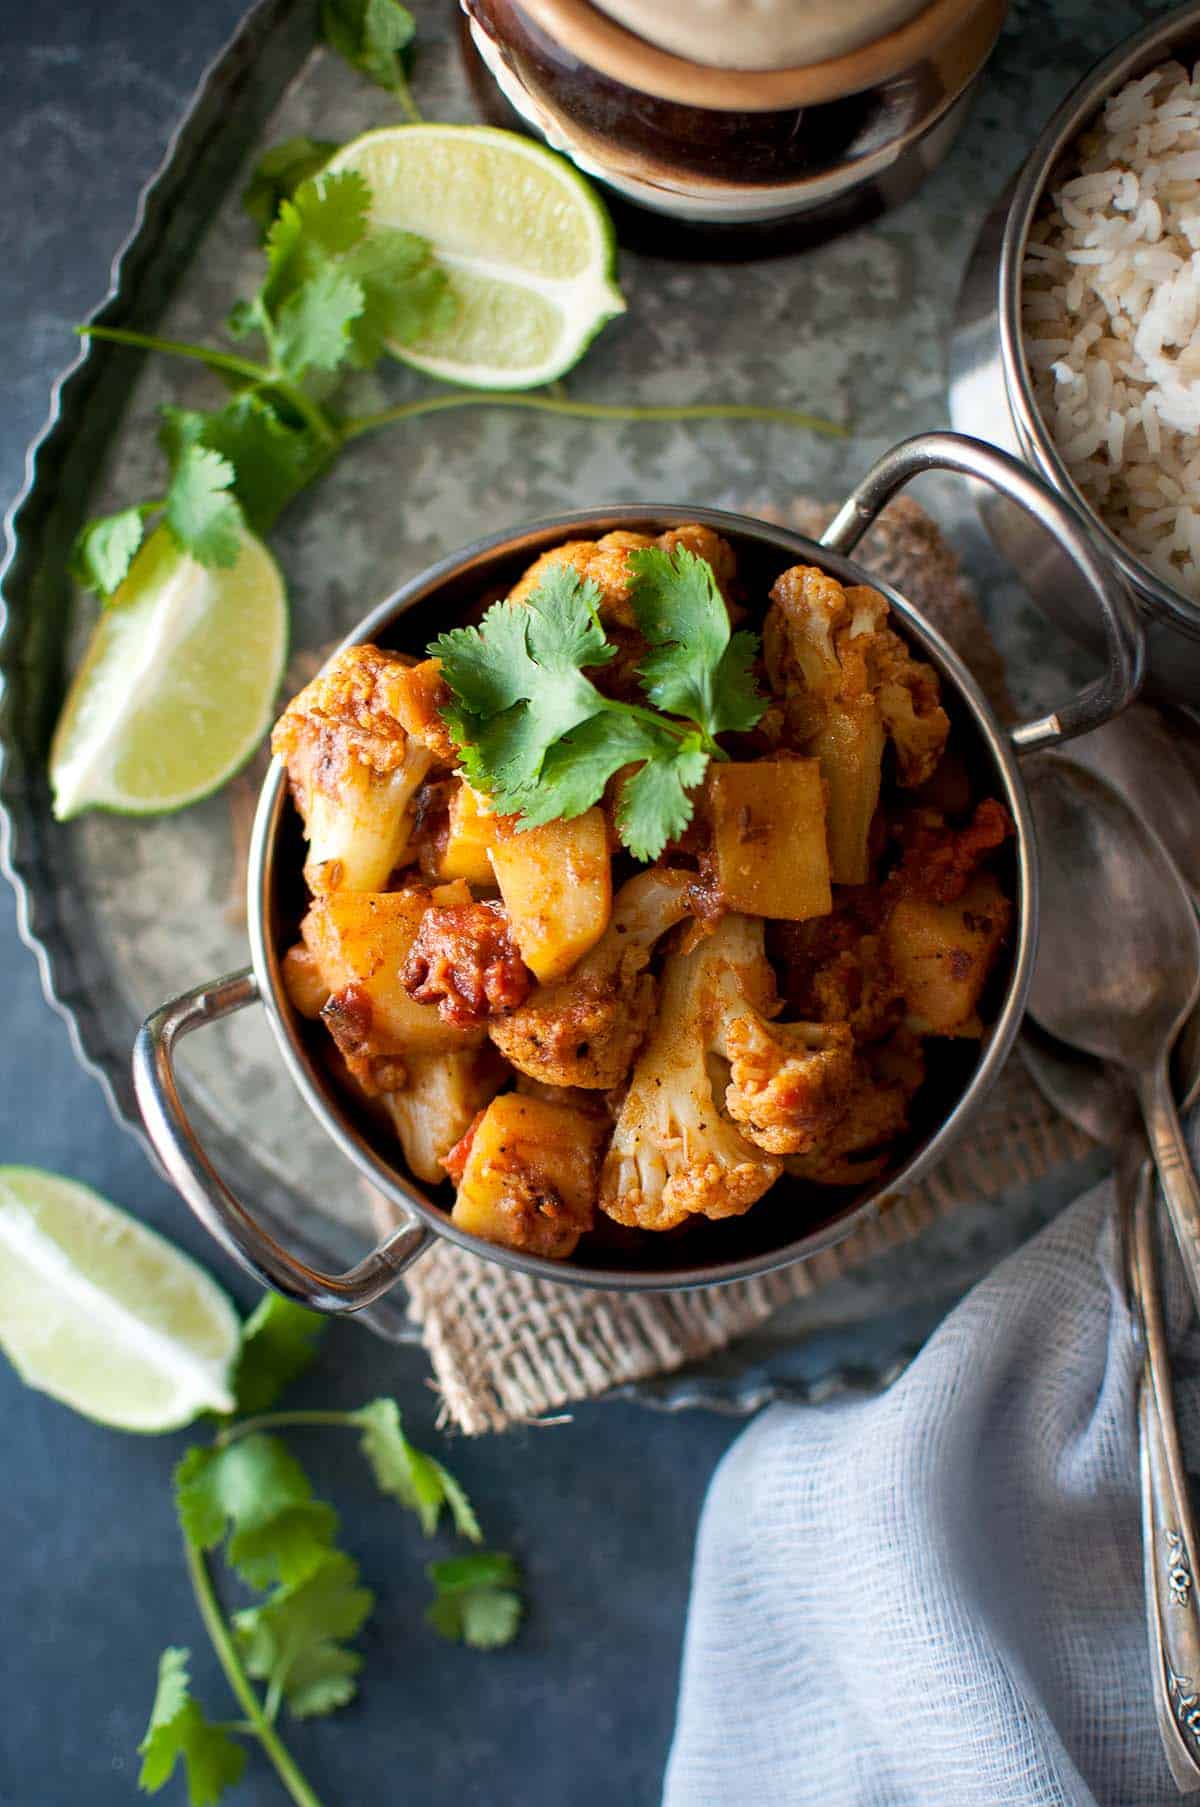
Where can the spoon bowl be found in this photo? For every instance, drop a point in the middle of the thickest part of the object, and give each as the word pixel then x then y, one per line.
pixel 1118 964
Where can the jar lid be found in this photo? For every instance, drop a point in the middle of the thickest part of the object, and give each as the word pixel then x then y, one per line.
pixel 760 34
pixel 953 37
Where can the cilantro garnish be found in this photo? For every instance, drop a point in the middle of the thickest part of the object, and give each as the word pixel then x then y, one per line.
pixel 537 737
pixel 246 1496
pixel 179 1730
pixel 334 294
pixel 296 1640
pixel 374 37
pixel 418 1481
pixel 475 1599
pixel 695 666
pixel 279 173
pixel 337 292
pixel 280 1341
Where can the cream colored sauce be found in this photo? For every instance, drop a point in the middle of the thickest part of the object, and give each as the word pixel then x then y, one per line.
pixel 760 34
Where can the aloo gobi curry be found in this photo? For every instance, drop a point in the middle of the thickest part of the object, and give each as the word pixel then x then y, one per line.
pixel 619 915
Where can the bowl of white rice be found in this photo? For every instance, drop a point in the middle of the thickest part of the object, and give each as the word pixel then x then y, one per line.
pixel 1077 341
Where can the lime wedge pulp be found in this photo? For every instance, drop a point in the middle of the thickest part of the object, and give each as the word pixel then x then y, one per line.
pixel 103 1313
pixel 177 686
pixel 526 241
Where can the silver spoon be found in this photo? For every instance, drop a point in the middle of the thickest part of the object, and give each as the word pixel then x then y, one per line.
pixel 1101 1103
pixel 1152 756
pixel 1118 967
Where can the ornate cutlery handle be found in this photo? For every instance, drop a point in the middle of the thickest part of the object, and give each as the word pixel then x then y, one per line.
pixel 1175 1170
pixel 1168 1529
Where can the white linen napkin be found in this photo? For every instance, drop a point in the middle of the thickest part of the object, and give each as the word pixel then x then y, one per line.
pixel 933 1598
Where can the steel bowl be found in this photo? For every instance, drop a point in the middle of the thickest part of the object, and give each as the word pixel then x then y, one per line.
pixel 991 389
pixel 775 1233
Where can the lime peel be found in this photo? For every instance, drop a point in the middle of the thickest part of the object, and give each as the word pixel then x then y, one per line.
pixel 77 1328
pixel 526 240
pixel 178 685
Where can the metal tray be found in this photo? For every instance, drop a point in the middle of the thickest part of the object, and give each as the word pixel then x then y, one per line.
pixel 121 914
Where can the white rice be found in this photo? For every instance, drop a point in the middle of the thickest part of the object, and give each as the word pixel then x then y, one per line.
pixel 1111 313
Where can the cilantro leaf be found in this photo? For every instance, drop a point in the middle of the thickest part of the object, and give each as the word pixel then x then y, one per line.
pixel 576 770
pixel 272 461
pixel 105 549
pixel 313 328
pixel 476 1600
pixel 694 668
pixel 521 669
pixel 280 1340
pixel 405 294
pixel 255 1491
pixel 204 519
pixel 417 1480
pixel 325 218
pixel 372 36
pixel 537 737
pixel 179 1729
pixel 461 1509
pixel 280 171
pixel 654 806
pixel 293 1640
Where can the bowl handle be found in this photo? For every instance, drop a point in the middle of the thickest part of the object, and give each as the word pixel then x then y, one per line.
pixel 1106 696
pixel 193 1174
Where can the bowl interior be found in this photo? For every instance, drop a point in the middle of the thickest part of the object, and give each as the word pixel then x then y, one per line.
pixel 793 1220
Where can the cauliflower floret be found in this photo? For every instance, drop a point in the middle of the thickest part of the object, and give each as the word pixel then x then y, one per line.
pixel 835 969
pixel 910 704
pixel 848 682
pixel 606 563
pixel 790 1083
pixel 716 552
pixel 438 1102
pixel 584 1030
pixel 939 861
pixel 603 562
pixel 673 1153
pixel 358 742
pixel 857 1149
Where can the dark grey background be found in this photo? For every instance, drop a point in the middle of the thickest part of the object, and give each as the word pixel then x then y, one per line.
pixel 601 1510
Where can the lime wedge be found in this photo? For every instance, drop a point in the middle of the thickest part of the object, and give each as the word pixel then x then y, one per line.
pixel 177 686
pixel 526 241
pixel 105 1315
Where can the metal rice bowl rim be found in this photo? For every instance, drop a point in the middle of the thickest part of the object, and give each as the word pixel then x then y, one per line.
pixel 1133 57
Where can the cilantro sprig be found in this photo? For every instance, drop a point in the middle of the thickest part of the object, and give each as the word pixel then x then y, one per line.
pixel 292 1649
pixel 537 736
pixel 375 37
pixel 335 292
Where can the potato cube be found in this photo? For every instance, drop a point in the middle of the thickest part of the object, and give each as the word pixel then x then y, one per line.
pixel 556 883
pixel 769 837
pixel 529 1181
pixel 360 942
pixel 942 953
pixel 470 831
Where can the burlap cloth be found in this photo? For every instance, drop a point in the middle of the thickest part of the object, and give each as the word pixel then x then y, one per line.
pixel 509 1348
